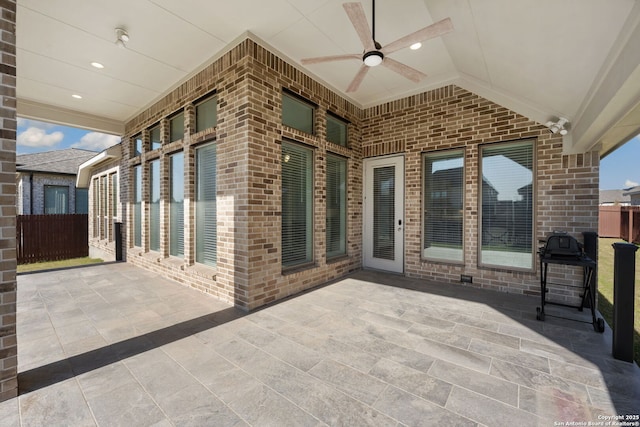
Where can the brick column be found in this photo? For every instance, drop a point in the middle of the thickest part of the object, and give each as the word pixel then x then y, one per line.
pixel 8 343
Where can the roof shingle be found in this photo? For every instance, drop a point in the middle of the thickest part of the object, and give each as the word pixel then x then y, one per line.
pixel 59 161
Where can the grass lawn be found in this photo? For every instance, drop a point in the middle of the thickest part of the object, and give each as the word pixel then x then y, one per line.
pixel 48 265
pixel 605 289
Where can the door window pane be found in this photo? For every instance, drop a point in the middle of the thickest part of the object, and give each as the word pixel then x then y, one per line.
pixel 154 138
pixel 154 205
pixel 56 199
pixel 176 207
pixel 507 205
pixel 206 114
pixel 336 130
pixel 297 205
pixel 336 221
pixel 206 212
pixel 137 206
pixel 176 126
pixel 443 205
pixel 384 209
pixel 297 114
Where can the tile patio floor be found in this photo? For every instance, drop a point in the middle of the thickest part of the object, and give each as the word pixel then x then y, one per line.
pixel 114 345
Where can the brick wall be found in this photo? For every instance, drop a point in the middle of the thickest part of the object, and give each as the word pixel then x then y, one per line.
pixel 451 117
pixel 248 82
pixel 8 342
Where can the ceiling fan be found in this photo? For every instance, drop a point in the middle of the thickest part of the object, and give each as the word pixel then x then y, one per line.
pixel 374 53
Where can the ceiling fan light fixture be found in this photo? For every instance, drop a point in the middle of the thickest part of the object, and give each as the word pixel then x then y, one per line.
pixel 373 58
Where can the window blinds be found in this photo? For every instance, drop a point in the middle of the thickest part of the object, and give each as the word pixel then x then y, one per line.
pixel 154 205
pixel 297 204
pixel 507 205
pixel 176 206
pixel 336 220
pixel 206 214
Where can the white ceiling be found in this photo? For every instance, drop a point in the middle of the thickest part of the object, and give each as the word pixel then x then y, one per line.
pixel 542 58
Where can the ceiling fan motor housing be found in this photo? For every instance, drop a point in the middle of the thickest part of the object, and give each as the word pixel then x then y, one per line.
pixel 373 58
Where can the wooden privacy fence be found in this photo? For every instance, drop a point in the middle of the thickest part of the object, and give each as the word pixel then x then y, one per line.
pixel 621 222
pixel 51 237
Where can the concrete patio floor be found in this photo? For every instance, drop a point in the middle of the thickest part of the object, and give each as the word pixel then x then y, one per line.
pixel 115 345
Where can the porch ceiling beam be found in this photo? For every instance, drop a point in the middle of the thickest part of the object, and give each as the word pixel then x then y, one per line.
pixel 49 113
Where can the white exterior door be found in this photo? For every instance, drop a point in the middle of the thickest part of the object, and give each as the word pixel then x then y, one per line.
pixel 383 230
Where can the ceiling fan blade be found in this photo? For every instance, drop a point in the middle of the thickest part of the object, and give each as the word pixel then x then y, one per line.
pixel 404 70
pixel 355 11
pixel 355 84
pixel 434 30
pixel 321 59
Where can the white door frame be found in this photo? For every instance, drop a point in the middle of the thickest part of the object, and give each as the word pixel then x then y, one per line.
pixel 396 264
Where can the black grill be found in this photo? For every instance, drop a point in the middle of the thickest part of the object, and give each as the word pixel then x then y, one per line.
pixel 561 245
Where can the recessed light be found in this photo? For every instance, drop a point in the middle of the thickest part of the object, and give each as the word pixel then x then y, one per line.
pixel 97 65
pixel 415 46
pixel 76 96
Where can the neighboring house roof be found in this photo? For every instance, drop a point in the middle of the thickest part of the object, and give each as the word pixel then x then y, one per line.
pixel 632 191
pixel 59 161
pixel 614 196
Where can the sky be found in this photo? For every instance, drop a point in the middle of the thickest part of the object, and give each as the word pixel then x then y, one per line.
pixel 621 168
pixel 618 170
pixel 35 137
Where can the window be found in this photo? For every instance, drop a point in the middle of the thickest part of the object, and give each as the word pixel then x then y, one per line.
pixel 336 130
pixel 297 113
pixel 176 126
pixel 297 205
pixel 104 220
pixel 96 216
pixel 155 138
pixel 336 221
pixel 82 200
pixel 154 205
pixel 137 145
pixel 206 114
pixel 137 206
pixel 114 195
pixel 206 216
pixel 443 205
pixel 56 199
pixel 176 207
pixel 507 205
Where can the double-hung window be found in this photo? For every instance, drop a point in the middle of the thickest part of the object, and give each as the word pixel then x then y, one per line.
pixel 154 205
pixel 443 205
pixel 297 205
pixel 297 113
pixel 206 212
pixel 137 206
pixel 56 199
pixel 176 207
pixel 336 220
pixel 507 205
